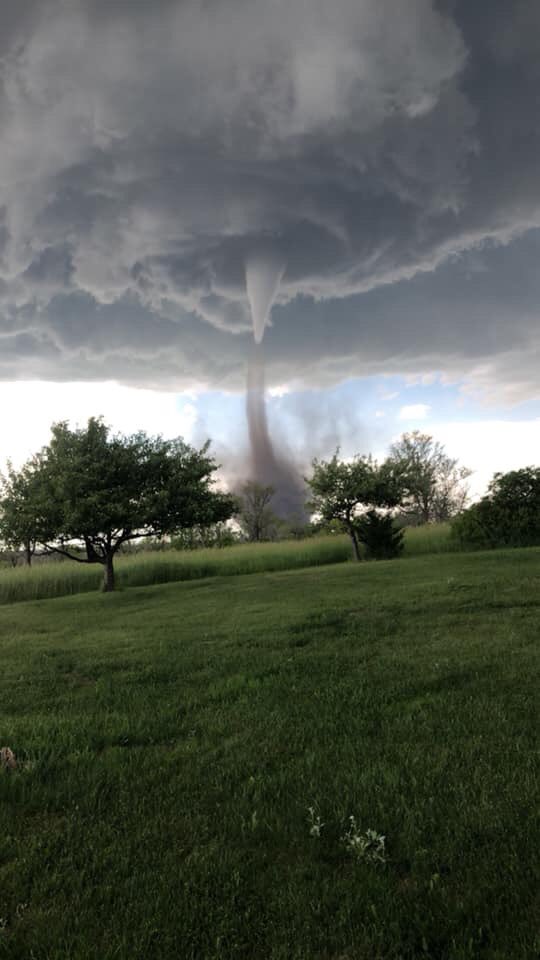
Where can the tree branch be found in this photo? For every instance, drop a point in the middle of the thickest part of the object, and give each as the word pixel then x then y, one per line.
pixel 65 553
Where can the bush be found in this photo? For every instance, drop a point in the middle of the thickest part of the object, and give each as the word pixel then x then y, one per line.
pixel 508 516
pixel 380 536
pixel 199 537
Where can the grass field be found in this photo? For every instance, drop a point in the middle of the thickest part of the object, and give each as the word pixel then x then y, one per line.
pixel 58 579
pixel 172 738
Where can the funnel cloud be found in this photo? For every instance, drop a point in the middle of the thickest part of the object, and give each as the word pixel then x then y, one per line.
pixel 263 276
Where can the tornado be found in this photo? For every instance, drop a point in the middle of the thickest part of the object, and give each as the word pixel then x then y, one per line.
pixel 266 466
pixel 264 272
pixel 263 277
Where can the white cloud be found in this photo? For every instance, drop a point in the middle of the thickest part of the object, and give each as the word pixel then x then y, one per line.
pixel 35 406
pixel 280 390
pixel 414 411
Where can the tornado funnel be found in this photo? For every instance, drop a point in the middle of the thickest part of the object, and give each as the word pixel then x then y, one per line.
pixel 263 277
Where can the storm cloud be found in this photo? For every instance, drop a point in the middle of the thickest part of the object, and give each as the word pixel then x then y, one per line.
pixel 385 155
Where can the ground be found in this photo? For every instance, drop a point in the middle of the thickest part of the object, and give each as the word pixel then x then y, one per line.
pixel 171 739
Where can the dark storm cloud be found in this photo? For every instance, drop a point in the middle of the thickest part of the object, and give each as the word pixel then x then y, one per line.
pixel 387 157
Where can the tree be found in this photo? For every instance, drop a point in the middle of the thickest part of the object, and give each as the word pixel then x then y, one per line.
pixel 255 516
pixel 509 514
pixel 434 482
pixel 381 538
pixel 343 491
pixel 92 489
pixel 18 519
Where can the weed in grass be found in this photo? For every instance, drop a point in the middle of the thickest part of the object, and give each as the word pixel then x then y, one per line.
pixel 368 847
pixel 8 759
pixel 315 823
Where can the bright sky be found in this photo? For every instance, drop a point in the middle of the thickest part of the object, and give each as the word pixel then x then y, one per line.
pixel 362 416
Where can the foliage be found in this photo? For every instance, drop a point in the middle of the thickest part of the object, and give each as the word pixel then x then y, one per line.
pixel 382 539
pixel 255 516
pixel 330 528
pixel 203 537
pixel 9 558
pixel 296 528
pixel 101 491
pixel 169 742
pixel 434 482
pixel 19 511
pixel 342 490
pixel 509 514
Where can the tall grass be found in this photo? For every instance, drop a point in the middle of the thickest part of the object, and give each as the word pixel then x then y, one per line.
pixel 57 579
pixel 429 538
pixel 53 579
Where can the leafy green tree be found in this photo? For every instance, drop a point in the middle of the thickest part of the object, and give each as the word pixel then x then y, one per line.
pixel 20 516
pixel 434 482
pixel 91 488
pixel 255 514
pixel 342 491
pixel 509 514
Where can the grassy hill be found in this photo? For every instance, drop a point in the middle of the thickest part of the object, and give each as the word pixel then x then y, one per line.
pixel 171 740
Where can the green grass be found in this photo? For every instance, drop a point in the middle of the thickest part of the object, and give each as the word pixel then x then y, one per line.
pixel 58 579
pixel 173 737
pixel 429 538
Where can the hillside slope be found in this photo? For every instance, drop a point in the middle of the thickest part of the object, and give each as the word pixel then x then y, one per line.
pixel 172 738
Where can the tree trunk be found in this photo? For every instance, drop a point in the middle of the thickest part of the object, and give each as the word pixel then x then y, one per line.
pixel 108 574
pixel 28 554
pixel 354 539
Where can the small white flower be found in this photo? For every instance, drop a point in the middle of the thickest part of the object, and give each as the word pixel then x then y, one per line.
pixel 315 823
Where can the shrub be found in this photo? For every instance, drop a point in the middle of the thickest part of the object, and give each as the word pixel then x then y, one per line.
pixel 508 516
pixel 380 536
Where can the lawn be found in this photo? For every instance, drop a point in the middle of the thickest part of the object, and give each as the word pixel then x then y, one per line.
pixel 172 738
